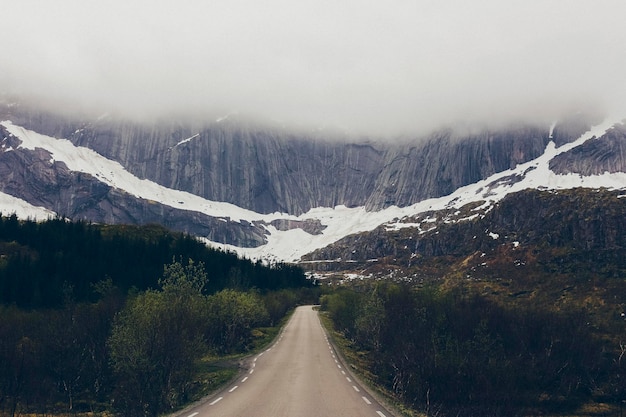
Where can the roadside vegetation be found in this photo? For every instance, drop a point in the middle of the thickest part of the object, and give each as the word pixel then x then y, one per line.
pixel 455 353
pixel 129 321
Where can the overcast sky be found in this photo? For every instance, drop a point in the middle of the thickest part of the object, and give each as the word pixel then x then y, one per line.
pixel 368 66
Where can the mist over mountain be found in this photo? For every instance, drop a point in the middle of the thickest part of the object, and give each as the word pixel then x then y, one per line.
pixel 361 67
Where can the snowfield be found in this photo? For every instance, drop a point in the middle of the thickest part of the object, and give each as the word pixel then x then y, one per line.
pixel 340 221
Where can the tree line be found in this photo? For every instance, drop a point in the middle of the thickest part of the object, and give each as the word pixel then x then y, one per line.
pixel 157 339
pixel 446 353
pixel 113 338
pixel 40 261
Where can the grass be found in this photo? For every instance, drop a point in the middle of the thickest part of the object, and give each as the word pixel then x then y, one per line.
pixel 214 372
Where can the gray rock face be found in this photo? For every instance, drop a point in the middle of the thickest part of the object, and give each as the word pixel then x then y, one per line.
pixel 311 226
pixel 443 163
pixel 31 176
pixel 595 157
pixel 268 169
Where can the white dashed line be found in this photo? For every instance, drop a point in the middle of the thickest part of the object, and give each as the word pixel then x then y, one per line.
pixel 216 401
pixel 251 370
pixel 233 388
pixel 193 414
pixel 245 379
pixel 365 399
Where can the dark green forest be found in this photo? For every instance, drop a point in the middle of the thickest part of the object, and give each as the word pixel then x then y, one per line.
pixel 454 353
pixel 41 262
pixel 121 319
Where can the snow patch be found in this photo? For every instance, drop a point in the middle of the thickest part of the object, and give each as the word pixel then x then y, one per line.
pixel 552 126
pixel 182 142
pixel 23 209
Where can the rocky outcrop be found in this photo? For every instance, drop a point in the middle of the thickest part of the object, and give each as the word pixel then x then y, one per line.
pixel 577 219
pixel 268 171
pixel 36 178
pixel 311 226
pixel 595 157
pixel 444 162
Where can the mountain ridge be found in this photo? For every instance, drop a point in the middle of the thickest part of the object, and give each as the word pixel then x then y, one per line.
pixel 73 180
pixel 268 168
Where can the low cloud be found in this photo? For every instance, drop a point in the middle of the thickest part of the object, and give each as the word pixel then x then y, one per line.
pixel 378 69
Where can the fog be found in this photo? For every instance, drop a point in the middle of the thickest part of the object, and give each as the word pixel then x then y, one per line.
pixel 375 68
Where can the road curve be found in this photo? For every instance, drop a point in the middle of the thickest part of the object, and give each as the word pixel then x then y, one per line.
pixel 300 375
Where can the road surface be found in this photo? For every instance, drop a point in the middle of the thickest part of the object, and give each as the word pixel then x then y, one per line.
pixel 300 375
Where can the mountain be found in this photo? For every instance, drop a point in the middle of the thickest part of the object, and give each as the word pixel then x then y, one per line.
pixel 266 168
pixel 269 192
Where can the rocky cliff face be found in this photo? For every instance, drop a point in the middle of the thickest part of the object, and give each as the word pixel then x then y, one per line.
pixel 595 157
pixel 268 169
pixel 34 176
pixel 443 162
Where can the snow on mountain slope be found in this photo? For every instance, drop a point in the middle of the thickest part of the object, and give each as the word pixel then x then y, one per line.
pixel 12 205
pixel 535 174
pixel 340 221
pixel 81 159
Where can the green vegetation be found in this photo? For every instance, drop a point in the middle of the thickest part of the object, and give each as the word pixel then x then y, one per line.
pixel 41 262
pixel 86 328
pixel 455 353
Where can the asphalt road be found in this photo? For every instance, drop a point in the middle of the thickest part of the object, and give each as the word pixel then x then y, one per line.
pixel 300 375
